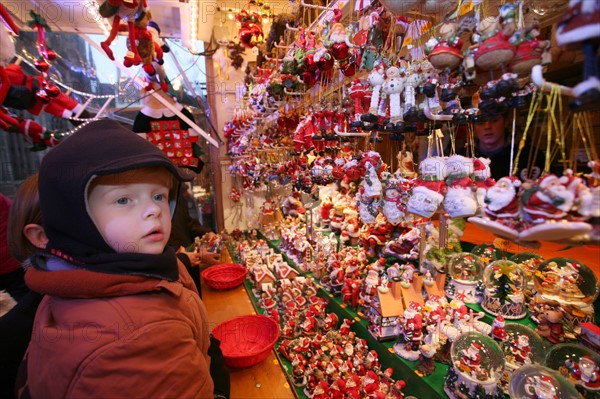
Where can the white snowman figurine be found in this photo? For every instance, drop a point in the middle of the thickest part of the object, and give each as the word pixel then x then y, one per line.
pixel 393 87
pixel 375 79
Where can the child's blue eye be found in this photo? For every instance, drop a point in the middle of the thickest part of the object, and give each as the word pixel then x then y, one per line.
pixel 160 197
pixel 122 201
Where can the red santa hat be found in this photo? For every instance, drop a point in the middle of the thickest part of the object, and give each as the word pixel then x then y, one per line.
pixel 546 180
pixel 480 167
pixel 474 347
pixel 512 180
pixel 499 321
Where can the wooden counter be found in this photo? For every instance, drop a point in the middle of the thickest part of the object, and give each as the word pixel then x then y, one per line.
pixel 265 380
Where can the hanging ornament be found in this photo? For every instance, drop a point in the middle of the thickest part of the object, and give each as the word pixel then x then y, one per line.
pixel 39 23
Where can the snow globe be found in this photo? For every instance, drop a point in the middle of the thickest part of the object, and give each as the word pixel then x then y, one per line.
pixel 538 382
pixel 504 290
pixel 465 271
pixel 487 253
pixel 529 262
pixel 570 284
pixel 576 363
pixel 522 346
pixel 477 363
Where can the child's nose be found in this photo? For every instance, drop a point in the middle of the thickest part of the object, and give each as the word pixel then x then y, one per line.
pixel 152 210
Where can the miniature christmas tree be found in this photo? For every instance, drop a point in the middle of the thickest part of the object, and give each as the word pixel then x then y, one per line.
pixel 502 282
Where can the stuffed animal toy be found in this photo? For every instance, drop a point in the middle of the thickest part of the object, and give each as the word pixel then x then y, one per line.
pixel 127 10
pixel 148 49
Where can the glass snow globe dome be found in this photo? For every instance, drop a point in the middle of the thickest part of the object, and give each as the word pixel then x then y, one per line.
pixel 465 267
pixel 536 381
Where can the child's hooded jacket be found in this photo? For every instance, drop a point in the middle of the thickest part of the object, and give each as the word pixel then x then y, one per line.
pixel 111 324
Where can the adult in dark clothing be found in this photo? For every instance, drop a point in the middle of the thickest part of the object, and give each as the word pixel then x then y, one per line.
pixel 184 230
pixel 25 236
pixel 11 273
pixel 492 141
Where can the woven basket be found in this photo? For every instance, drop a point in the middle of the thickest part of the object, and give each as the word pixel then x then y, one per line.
pixel 224 276
pixel 246 340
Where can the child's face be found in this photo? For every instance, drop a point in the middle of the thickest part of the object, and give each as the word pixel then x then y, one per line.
pixel 132 217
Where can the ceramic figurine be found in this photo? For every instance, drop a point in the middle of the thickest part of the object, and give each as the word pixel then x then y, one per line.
pixel 425 363
pixel 498 328
pixel 502 209
pixel 459 200
pixel 412 333
pixel 546 207
pixel 394 208
pixel 429 188
pixel 393 86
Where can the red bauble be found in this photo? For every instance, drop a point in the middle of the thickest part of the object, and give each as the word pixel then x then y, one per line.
pixel 308 78
pixel 348 69
pixel 50 54
pixel 309 62
pixel 325 63
pixel 337 172
pixel 52 90
pixel 43 96
pixel 340 51
pixel 41 65
pixel 353 173
pixel 246 37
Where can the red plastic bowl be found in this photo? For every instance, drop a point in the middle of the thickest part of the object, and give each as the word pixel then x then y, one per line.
pixel 224 276
pixel 246 340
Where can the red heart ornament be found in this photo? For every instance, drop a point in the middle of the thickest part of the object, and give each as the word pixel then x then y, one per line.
pixel 41 65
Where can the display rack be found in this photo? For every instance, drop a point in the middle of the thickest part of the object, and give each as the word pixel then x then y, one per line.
pixel 431 386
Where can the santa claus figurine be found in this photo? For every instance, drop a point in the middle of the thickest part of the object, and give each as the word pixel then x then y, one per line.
pixel 429 188
pixel 585 372
pixel 547 207
pixel 501 209
pixel 549 200
pixel 459 200
pixel 521 350
pixel 483 181
pixel 498 328
pixel 470 360
pixel 339 42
